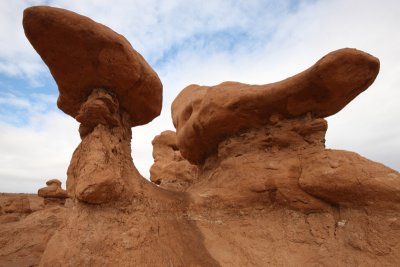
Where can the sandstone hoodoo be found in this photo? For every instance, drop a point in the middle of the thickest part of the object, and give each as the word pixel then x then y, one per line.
pixel 53 193
pixel 246 179
pixel 204 115
pixel 270 139
pixel 83 55
pixel 118 217
pixel 106 86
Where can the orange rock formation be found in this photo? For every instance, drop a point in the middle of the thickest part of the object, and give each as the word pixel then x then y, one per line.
pixel 170 170
pixel 53 193
pixel 264 191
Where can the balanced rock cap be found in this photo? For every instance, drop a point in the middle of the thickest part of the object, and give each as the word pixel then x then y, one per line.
pixel 54 182
pixel 83 54
pixel 205 115
pixel 53 190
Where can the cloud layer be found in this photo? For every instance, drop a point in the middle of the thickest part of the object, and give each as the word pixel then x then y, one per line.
pixel 191 42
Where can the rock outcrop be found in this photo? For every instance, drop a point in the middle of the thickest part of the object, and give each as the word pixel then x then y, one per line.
pixel 106 86
pixel 53 193
pixel 26 225
pixel 264 190
pixel 205 115
pixel 286 163
pixel 170 170
pixel 118 218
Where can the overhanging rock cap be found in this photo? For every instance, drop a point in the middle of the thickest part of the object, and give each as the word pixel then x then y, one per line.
pixel 205 115
pixel 83 54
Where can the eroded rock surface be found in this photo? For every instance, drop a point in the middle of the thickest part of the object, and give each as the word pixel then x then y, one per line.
pixel 106 86
pixel 97 172
pixel 53 193
pixel 265 191
pixel 205 115
pixel 286 163
pixel 83 54
pixel 170 170
pixel 26 225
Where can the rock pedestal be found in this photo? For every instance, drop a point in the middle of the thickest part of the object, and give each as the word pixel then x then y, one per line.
pixel 106 86
pixel 53 193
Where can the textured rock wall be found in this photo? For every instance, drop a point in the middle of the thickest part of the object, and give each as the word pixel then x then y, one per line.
pixel 170 170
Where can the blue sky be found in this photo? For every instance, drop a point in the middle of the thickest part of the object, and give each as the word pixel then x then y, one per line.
pixel 255 41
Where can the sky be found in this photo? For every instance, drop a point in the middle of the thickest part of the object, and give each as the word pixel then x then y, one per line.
pixel 206 43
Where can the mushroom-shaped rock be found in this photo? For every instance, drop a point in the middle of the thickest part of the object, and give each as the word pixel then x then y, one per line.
pixel 106 86
pixel 83 54
pixel 170 170
pixel 53 193
pixel 203 115
pixel 53 190
pixel 54 182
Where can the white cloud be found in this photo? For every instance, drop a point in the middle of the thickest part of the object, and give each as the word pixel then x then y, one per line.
pixel 186 40
pixel 38 151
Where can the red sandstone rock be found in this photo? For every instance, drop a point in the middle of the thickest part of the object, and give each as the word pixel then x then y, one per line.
pixel 24 236
pixel 287 163
pixel 82 55
pixel 170 170
pixel 54 182
pixel 15 203
pixel 53 190
pixel 204 115
pixel 106 86
pixel 101 167
pixel 266 191
pixel 345 178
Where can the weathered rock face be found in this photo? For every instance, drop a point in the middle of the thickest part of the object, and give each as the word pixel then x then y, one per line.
pixel 265 191
pixel 53 193
pixel 107 87
pixel 26 225
pixel 204 116
pixel 170 170
pixel 114 90
pixel 14 203
pixel 97 172
pixel 82 55
pixel 286 163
